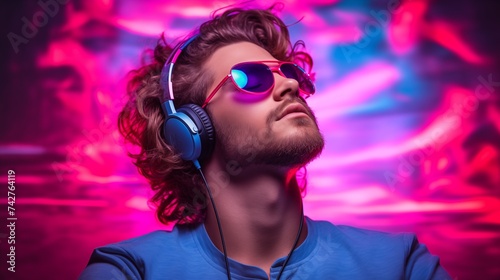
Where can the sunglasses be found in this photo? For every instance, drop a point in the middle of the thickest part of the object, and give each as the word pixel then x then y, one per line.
pixel 257 78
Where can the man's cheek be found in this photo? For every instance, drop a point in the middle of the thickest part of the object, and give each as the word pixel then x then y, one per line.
pixel 247 98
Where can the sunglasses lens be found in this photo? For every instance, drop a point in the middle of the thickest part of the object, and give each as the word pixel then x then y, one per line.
pixel 293 71
pixel 252 77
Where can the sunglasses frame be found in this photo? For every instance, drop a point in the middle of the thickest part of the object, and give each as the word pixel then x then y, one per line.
pixel 276 68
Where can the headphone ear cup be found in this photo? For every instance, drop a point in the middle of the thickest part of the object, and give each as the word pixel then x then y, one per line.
pixel 205 128
pixel 180 132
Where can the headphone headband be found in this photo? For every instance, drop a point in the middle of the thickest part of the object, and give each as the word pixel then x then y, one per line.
pixel 168 67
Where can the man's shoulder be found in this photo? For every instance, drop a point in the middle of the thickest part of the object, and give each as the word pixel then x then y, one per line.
pixel 150 244
pixel 148 252
pixel 364 238
pixel 376 253
pixel 152 239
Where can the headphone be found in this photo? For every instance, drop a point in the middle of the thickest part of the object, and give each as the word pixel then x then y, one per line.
pixel 187 129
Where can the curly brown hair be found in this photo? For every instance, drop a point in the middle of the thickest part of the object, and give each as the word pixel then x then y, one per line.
pixel 176 183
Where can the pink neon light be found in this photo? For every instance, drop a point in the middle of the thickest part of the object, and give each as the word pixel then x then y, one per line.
pixel 442 163
pixel 439 183
pixel 405 27
pixel 63 202
pixel 354 89
pixel 448 36
pixel 147 27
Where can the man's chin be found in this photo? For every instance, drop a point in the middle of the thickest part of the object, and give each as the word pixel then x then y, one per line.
pixel 292 153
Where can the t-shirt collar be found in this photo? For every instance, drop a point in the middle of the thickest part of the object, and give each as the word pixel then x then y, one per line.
pixel 216 257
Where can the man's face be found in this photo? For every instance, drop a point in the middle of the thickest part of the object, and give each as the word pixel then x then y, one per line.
pixel 258 130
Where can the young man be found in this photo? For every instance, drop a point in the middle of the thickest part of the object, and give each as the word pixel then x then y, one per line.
pixel 255 132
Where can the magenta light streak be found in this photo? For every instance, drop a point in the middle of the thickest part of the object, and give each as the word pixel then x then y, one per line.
pixel 147 27
pixel 404 31
pixel 63 202
pixel 440 127
pixel 341 97
pixel 449 37
pixel 441 130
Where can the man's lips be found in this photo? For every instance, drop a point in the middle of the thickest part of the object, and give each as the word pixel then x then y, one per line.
pixel 294 108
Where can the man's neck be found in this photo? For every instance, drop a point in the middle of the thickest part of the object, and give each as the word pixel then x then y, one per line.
pixel 260 212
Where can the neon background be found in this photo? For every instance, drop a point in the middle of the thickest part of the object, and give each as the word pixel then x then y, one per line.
pixel 408 101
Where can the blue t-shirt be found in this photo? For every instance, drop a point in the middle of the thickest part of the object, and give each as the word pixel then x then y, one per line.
pixel 328 252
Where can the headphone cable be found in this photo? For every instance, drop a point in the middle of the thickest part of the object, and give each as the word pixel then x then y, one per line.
pixel 228 272
pixel 295 243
